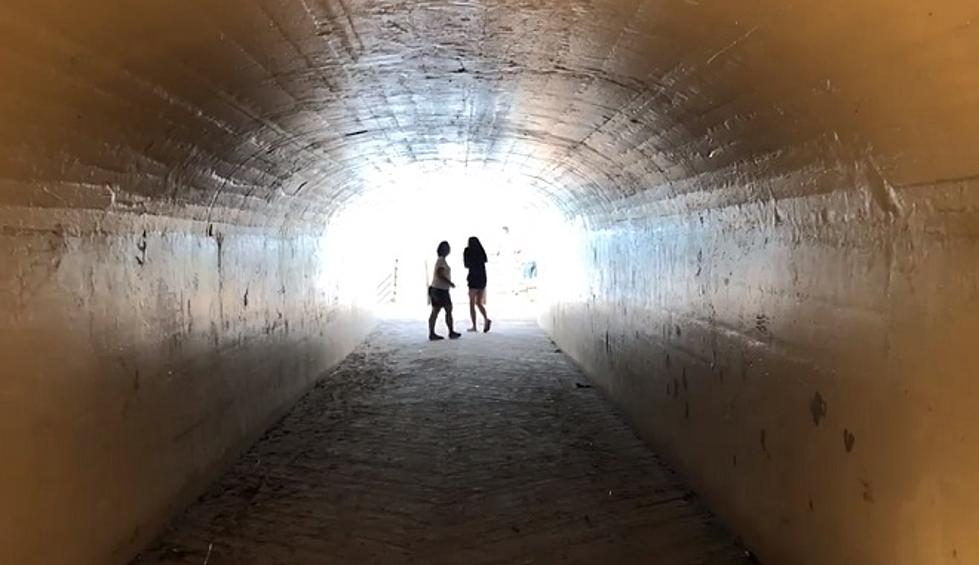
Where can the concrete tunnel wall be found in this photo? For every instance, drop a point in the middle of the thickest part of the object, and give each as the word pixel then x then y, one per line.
pixel 776 276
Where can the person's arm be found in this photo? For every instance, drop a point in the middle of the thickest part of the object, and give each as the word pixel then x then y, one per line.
pixel 441 275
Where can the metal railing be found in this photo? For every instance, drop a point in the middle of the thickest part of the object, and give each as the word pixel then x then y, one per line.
pixel 387 289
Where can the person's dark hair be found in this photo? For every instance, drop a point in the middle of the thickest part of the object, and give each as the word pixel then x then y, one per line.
pixel 443 249
pixel 475 252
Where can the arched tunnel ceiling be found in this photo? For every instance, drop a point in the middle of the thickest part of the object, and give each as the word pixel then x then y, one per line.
pixel 274 112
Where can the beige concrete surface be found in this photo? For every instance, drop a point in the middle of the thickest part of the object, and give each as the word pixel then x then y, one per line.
pixel 773 266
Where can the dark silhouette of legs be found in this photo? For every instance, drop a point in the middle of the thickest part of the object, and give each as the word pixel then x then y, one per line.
pixel 431 323
pixel 449 323
pixel 486 321
pixel 473 300
pixel 477 298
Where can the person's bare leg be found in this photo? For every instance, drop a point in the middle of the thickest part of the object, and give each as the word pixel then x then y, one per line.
pixel 482 308
pixel 431 323
pixel 473 302
pixel 449 323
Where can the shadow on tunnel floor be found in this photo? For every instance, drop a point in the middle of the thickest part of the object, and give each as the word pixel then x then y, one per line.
pixel 491 449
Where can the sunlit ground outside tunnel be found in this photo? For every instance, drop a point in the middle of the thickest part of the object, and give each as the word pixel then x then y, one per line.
pixel 386 240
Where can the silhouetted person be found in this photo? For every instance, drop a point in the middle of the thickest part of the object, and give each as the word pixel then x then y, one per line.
pixel 439 295
pixel 474 258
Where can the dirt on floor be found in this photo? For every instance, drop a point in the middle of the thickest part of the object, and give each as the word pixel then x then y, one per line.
pixel 490 449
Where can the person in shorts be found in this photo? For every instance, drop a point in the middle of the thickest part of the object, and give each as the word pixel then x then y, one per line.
pixel 438 294
pixel 474 258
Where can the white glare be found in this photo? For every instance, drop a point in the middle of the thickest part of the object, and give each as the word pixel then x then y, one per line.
pixel 385 240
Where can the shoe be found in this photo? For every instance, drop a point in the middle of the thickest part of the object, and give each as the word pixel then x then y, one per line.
pixel 486 326
pixel 435 337
pixel 472 329
pixel 455 335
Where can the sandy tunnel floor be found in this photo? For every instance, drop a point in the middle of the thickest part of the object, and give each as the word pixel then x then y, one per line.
pixel 490 449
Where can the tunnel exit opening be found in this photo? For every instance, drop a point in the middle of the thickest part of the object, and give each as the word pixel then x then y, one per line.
pixel 386 239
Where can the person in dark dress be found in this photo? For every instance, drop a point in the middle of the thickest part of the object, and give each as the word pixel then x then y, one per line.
pixel 474 258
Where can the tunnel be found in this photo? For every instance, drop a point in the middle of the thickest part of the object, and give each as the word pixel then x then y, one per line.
pixel 756 223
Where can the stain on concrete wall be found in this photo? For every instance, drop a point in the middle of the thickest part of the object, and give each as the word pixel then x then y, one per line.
pixel 857 329
pixel 133 371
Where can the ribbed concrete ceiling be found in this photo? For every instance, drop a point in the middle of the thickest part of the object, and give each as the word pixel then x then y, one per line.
pixel 275 112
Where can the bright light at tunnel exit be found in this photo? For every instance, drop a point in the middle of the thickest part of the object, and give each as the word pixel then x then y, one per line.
pixel 385 241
